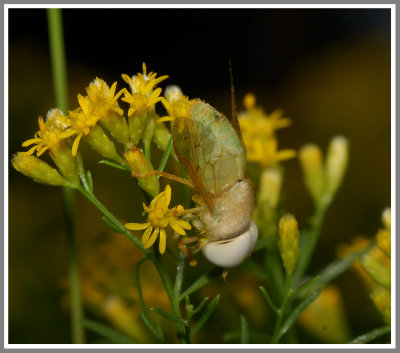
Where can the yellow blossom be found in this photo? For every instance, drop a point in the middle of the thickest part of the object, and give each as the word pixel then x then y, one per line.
pixel 159 217
pixel 50 133
pixel 103 98
pixel 177 108
pixel 143 96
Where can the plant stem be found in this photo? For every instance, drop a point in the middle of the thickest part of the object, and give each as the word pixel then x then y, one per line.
pixel 309 241
pixel 59 74
pixel 281 312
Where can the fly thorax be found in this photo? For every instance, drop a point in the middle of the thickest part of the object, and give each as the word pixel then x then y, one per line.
pixel 232 213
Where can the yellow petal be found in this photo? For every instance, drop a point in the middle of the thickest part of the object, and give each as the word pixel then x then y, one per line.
pixel 163 241
pixel 176 227
pixel 146 235
pixel 165 118
pixel 65 134
pixel 183 224
pixel 136 226
pixel 152 239
pixel 76 144
pixel 42 150
pixel 41 124
pixel 30 151
pixel 126 78
pixel 30 142
pixel 167 195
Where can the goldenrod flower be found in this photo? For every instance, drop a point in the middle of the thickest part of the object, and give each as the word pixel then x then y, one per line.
pixel 143 96
pixel 104 103
pixel 177 108
pixel 289 242
pixel 258 130
pixel 159 217
pixel 50 133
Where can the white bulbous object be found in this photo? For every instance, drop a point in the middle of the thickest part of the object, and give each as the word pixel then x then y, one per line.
pixel 231 252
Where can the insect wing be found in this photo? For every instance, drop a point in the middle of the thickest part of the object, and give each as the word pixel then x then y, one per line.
pixel 210 151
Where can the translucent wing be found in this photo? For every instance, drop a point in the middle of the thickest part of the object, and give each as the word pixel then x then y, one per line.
pixel 209 150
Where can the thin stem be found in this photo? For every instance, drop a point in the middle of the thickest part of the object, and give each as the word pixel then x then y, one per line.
pixel 59 74
pixel 165 155
pixel 112 218
pixel 281 312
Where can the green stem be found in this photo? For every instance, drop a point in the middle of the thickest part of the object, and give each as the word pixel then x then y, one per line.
pixel 309 241
pixel 112 218
pixel 59 74
pixel 281 312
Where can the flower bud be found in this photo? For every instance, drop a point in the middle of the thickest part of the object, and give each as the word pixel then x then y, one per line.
pixel 336 164
pixel 38 170
pixel 140 165
pixel 117 126
pixel 379 272
pixel 161 136
pixel 383 241
pixel 137 123
pixel 311 162
pixel 386 218
pixel 270 187
pixel 381 298
pixel 289 242
pixel 148 132
pixel 173 93
pixel 100 142
pixel 65 161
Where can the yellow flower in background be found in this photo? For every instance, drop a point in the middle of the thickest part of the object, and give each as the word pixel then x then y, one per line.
pixel 103 99
pixel 258 130
pixel 50 133
pixel 159 217
pixel 143 96
pixel 325 318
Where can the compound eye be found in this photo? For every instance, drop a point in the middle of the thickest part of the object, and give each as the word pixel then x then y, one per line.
pixel 232 252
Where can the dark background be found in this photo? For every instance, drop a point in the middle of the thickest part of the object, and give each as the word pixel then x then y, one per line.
pixel 329 69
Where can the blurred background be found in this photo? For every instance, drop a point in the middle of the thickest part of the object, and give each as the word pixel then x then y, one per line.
pixel 328 69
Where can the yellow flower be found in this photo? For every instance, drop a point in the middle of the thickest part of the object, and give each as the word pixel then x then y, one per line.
pixel 159 217
pixel 143 96
pixel 82 120
pixel 103 98
pixel 50 133
pixel 258 130
pixel 177 108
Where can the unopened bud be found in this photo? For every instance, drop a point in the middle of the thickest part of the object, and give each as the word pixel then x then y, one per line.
pixel 311 162
pixel 381 298
pixel 117 126
pixel 387 218
pixel 100 142
pixel 65 161
pixel 289 242
pixel 173 93
pixel 139 164
pixel 38 170
pixel 137 123
pixel 379 272
pixel 270 187
pixel 336 164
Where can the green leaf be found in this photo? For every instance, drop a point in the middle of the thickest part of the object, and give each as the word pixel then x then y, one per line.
pixel 244 330
pixel 200 282
pixel 111 225
pixel 156 331
pixel 268 299
pixel 195 311
pixel 169 316
pixel 89 180
pixel 306 285
pixel 371 335
pixel 107 332
pixel 297 311
pixel 115 165
pixel 207 313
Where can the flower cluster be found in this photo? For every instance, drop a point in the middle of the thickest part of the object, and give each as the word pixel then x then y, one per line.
pixel 258 130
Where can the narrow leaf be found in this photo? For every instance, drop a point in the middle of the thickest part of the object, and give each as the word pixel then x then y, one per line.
pixel 297 311
pixel 306 285
pixel 169 316
pixel 89 180
pixel 268 299
pixel 195 311
pixel 165 155
pixel 207 313
pixel 157 333
pixel 244 330
pixel 371 335
pixel 114 165
pixel 200 282
pixel 111 225
pixel 107 332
